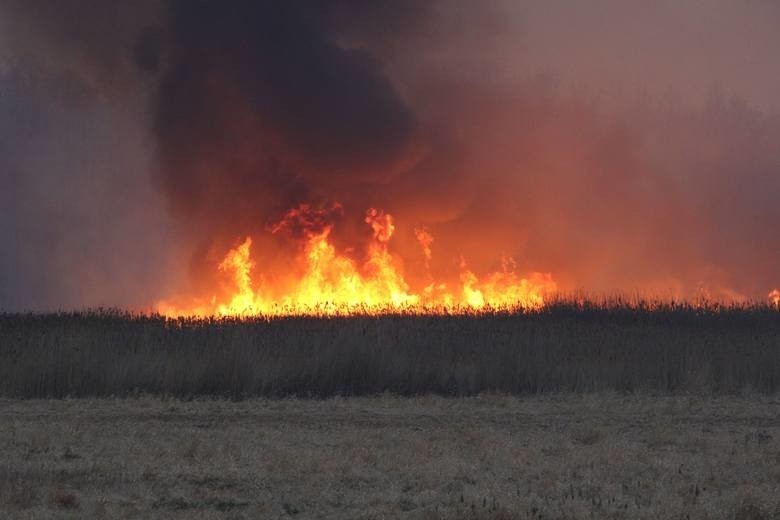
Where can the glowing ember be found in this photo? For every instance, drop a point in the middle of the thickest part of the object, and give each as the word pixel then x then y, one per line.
pixel 324 282
pixel 774 297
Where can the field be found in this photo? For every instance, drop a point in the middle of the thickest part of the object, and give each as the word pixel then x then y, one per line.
pixel 488 457
pixel 575 411
pixel 563 348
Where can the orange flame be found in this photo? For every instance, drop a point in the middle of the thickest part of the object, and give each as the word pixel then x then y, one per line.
pixel 774 297
pixel 328 283
pixel 425 239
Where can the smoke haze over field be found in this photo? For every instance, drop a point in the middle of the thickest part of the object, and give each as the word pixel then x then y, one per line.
pixel 620 145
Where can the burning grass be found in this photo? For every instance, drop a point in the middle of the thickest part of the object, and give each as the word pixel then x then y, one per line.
pixel 562 347
pixel 322 280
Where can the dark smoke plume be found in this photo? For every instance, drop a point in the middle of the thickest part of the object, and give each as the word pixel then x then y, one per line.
pixel 258 109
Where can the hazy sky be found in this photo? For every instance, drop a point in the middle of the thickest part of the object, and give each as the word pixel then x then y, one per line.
pixel 683 48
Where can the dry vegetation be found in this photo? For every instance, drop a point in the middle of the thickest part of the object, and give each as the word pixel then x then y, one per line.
pixel 577 411
pixel 564 348
pixel 488 457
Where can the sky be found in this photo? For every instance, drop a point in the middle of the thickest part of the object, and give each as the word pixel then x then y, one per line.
pixel 620 145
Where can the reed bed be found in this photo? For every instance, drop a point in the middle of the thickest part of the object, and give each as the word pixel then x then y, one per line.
pixel 566 346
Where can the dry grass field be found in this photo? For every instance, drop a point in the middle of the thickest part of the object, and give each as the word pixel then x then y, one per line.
pixel 575 411
pixel 602 455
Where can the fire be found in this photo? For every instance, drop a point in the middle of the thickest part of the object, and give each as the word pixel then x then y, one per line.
pixel 774 297
pixel 425 239
pixel 323 281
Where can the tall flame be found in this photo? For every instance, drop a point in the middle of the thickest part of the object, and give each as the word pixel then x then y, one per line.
pixel 425 239
pixel 328 283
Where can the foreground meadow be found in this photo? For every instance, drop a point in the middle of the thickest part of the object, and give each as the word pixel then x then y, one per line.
pixel 486 457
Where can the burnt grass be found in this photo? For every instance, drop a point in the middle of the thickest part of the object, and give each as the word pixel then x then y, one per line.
pixel 566 347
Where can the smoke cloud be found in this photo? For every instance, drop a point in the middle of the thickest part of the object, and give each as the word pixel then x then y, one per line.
pixel 258 109
pixel 620 145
